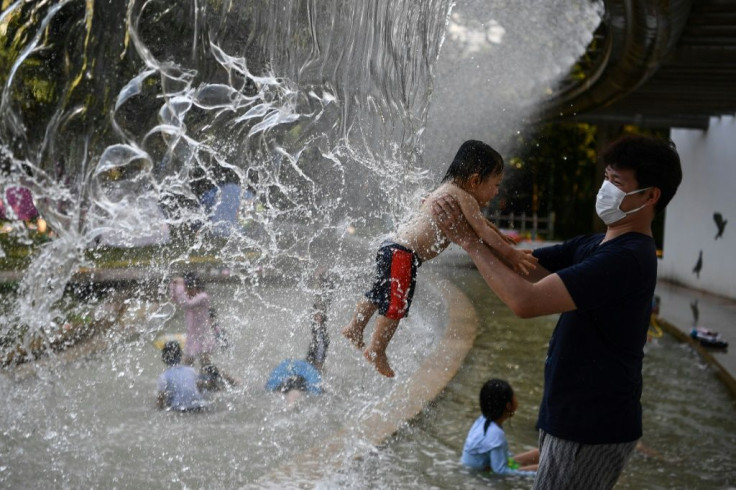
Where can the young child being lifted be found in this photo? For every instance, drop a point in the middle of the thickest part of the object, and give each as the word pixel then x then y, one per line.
pixel 472 179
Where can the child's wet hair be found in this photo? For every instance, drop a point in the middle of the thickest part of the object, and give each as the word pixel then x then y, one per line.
pixel 474 157
pixel 193 281
pixel 211 370
pixel 171 353
pixel 293 383
pixel 495 395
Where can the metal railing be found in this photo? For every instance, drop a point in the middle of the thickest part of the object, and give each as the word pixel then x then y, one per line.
pixel 530 227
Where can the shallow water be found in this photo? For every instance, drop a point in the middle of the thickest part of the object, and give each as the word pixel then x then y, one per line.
pixel 89 420
pixel 689 418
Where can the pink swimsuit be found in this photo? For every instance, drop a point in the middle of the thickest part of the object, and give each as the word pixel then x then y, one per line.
pixel 200 338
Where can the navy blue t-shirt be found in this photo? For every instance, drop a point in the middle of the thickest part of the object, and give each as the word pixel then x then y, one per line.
pixel 592 375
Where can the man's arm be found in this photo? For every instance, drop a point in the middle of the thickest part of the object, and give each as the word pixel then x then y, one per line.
pixel 526 299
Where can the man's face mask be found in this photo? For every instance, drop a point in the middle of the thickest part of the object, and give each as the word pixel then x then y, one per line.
pixel 608 202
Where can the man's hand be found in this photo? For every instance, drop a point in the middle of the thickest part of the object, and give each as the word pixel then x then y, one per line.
pixel 452 222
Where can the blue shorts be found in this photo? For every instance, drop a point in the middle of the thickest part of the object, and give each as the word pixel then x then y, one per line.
pixel 396 278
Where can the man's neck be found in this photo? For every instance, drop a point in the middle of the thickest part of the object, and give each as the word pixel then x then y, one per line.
pixel 635 226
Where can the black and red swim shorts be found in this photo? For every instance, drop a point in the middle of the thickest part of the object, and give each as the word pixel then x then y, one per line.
pixel 395 280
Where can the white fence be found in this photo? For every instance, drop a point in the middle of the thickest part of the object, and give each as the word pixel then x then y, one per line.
pixel 531 227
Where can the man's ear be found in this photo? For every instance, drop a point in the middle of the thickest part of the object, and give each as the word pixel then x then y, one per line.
pixel 655 194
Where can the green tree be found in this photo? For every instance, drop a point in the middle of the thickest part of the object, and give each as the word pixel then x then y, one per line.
pixel 555 169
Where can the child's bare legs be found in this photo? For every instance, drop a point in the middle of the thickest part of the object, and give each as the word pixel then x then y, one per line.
pixel 376 351
pixel 354 331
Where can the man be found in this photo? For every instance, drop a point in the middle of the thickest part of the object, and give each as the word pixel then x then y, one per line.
pixel 603 284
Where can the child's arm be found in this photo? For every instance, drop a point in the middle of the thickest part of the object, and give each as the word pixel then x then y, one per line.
pixel 499 462
pixel 529 460
pixel 161 392
pixel 199 299
pixel 520 260
pixel 497 230
pixel 178 291
pixel 161 400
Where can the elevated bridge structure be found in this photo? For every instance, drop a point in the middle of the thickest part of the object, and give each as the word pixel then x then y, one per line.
pixel 654 63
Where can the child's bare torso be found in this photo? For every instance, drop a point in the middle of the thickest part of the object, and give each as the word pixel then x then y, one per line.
pixel 421 234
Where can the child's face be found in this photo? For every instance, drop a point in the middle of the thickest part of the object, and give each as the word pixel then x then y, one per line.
pixel 485 190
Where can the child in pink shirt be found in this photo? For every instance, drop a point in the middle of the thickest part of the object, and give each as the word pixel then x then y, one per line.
pixel 188 292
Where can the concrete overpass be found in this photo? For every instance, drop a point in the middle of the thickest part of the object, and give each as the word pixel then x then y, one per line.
pixel 655 63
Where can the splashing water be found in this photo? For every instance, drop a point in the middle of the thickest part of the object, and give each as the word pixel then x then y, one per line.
pixel 312 109
pixel 128 121
pixel 272 138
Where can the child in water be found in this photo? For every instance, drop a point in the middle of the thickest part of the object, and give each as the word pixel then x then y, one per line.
pixel 188 292
pixel 472 179
pixel 177 386
pixel 486 447
pixel 292 377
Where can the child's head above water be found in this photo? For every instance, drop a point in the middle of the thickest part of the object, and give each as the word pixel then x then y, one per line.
pixel 171 353
pixel 474 157
pixel 293 383
pixel 496 400
pixel 193 281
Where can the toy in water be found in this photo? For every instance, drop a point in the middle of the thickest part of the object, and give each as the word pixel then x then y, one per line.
pixel 708 338
pixel 162 338
pixel 655 331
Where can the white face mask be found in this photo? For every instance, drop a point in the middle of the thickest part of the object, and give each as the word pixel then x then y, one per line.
pixel 608 202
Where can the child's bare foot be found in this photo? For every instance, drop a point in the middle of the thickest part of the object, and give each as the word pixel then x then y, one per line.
pixel 354 335
pixel 379 361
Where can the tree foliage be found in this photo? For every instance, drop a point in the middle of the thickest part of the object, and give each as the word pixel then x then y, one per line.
pixel 555 169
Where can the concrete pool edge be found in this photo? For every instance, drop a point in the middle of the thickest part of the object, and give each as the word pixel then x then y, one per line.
pixel 405 401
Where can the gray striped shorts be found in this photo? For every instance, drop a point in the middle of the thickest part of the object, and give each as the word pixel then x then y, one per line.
pixel 572 465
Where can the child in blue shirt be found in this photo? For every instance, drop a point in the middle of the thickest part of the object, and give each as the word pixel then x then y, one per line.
pixel 177 386
pixel 295 376
pixel 486 447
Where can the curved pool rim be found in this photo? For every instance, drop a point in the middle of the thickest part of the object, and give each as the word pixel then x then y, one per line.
pixel 405 401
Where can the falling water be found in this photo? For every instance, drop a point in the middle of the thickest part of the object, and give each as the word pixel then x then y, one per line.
pixel 314 109
pixel 118 116
pixel 329 119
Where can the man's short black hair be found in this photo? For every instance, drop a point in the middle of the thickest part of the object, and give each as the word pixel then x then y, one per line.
pixel 655 163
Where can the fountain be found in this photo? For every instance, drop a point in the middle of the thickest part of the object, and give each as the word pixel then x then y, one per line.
pixel 255 142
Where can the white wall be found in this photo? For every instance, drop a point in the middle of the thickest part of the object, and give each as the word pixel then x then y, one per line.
pixel 708 186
